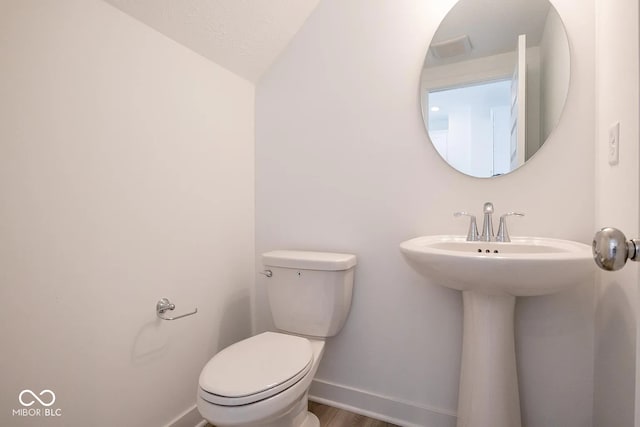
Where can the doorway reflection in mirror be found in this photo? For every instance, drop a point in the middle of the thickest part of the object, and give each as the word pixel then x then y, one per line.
pixel 517 46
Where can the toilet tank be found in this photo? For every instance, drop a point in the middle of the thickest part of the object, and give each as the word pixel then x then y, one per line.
pixel 309 292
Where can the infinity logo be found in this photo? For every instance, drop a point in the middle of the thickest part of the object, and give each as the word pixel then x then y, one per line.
pixel 31 402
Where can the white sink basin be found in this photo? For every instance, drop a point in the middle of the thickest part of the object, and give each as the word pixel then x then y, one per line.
pixel 491 275
pixel 526 266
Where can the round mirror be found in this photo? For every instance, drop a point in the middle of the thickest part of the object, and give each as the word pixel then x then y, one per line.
pixel 494 83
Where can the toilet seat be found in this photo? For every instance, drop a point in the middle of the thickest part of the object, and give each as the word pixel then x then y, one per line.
pixel 255 369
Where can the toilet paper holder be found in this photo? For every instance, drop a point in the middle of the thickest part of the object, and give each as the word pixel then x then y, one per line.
pixel 164 304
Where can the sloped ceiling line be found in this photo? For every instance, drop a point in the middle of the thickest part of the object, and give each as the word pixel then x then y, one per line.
pixel 243 36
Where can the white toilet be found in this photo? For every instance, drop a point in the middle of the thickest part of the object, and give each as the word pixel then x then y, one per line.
pixel 264 380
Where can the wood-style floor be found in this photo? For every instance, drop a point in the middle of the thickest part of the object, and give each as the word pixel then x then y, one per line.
pixel 334 417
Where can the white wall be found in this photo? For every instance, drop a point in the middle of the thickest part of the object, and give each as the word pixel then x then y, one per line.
pixel 617 205
pixel 126 175
pixel 343 163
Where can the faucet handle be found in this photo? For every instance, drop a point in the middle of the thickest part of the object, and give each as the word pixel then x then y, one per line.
pixel 472 234
pixel 503 233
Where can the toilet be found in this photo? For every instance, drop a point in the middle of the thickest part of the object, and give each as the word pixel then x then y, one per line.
pixel 264 380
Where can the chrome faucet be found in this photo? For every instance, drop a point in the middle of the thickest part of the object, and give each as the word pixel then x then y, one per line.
pixel 503 233
pixel 472 234
pixel 487 225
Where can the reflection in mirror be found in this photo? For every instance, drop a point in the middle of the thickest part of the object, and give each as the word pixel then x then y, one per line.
pixel 494 83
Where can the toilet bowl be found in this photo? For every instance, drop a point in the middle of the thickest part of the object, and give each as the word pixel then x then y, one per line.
pixel 264 380
pixel 239 390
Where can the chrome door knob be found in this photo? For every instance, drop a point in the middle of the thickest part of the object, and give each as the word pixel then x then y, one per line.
pixel 611 249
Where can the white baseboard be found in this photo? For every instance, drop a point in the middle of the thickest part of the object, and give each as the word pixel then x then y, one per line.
pixel 384 408
pixel 189 418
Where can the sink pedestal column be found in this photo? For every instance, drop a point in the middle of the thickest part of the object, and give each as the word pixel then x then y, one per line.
pixel 488 378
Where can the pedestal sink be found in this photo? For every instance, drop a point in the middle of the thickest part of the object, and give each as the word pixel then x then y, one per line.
pixel 491 275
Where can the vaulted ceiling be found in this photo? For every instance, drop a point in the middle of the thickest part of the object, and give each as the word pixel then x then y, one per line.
pixel 244 36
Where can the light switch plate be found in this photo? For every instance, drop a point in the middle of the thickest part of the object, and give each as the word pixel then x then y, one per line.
pixel 614 144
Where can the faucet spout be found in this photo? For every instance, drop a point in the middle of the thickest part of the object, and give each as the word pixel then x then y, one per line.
pixel 487 226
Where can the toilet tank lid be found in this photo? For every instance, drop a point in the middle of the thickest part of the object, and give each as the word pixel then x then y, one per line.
pixel 309 260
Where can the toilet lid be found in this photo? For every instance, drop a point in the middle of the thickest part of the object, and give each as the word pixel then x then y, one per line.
pixel 256 368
